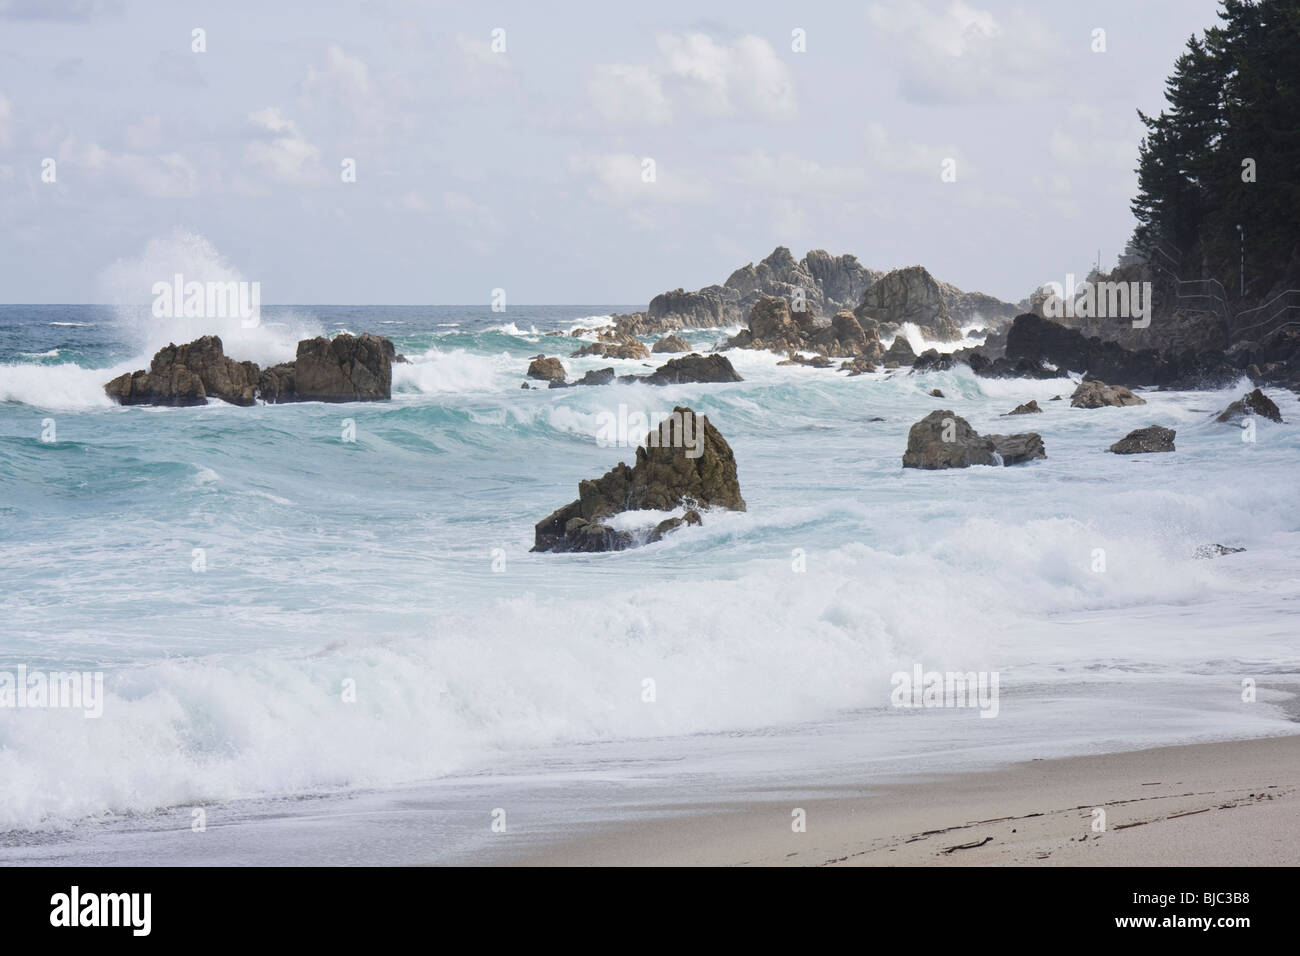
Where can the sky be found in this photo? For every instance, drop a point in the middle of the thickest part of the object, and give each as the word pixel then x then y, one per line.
pixel 504 145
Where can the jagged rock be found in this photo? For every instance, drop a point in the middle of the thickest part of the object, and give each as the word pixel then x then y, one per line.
pixel 188 375
pixel 344 369
pixel 626 349
pixel 910 295
pixel 1216 550
pixel 547 369
pixel 773 326
pixel 276 384
pixel 936 393
pixel 711 306
pixel 599 376
pixel 1252 403
pixel 1028 408
pixel 943 439
pixel 857 366
pixel 671 343
pixel 672 524
pixel 932 360
pixel 1143 440
pixel 1097 394
pixel 694 368
pixel 900 351
pixel 1056 398
pixel 1039 341
pixel 684 459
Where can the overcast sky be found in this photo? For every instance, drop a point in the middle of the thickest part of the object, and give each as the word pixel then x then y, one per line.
pixel 523 169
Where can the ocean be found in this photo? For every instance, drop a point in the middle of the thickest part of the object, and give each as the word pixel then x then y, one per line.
pixel 281 614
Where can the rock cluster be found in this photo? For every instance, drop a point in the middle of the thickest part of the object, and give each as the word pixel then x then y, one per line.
pixel 1252 403
pixel 944 439
pixel 909 295
pixel 684 460
pixel 775 327
pixel 346 368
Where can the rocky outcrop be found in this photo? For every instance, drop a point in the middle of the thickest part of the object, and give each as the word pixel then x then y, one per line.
pixel 1252 403
pixel 626 349
pixel 684 461
pixel 1144 440
pixel 599 376
pixel 546 369
pixel 900 351
pixel 910 295
pixel 671 344
pixel 858 366
pixel 1038 341
pixel 345 368
pixel 1099 394
pixel 943 439
pixel 1028 408
pixel 694 368
pixel 773 326
pixel 188 375
pixel 711 306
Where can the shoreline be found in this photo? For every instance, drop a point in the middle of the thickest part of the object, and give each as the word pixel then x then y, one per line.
pixel 1226 803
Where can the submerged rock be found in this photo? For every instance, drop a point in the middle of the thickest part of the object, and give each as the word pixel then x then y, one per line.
pixel 1215 550
pixel 1141 441
pixel 1028 408
pixel 546 369
pixel 694 368
pixel 671 343
pixel 684 460
pixel 1252 403
pixel 1098 394
pixel 944 439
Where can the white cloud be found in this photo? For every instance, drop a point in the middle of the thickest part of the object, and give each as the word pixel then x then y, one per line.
pixel 693 73
pixel 6 121
pixel 285 156
pixel 161 176
pixel 1090 138
pixel 625 94
pixel 344 81
pixel 618 179
pixel 964 54
pixel 892 155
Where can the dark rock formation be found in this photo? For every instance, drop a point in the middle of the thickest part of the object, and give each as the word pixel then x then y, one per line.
pixel 772 325
pixel 684 460
pixel 937 393
pixel 188 375
pixel 900 351
pixel 345 368
pixel 547 369
pixel 1029 408
pixel 1252 403
pixel 599 376
pixel 1144 440
pixel 694 368
pixel 945 440
pixel 670 344
pixel 1216 550
pixel 910 295
pixel 1098 394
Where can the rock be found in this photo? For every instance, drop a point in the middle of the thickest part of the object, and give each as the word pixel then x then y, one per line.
pixel 1028 408
pixel 1056 398
pixel 1037 341
pixel 857 366
pixel 671 343
pixel 1252 403
pixel 1143 440
pixel 547 369
pixel 945 440
pixel 344 369
pixel 600 376
pixel 188 375
pixel 672 524
pixel 1215 550
pixel 694 368
pixel 1097 394
pixel 900 351
pixel 936 393
pixel 932 360
pixel 684 459
pixel 709 307
pixel 773 326
pixel 626 349
pixel 910 295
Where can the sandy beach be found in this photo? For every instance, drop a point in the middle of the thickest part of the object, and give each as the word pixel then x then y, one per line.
pixel 1233 803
